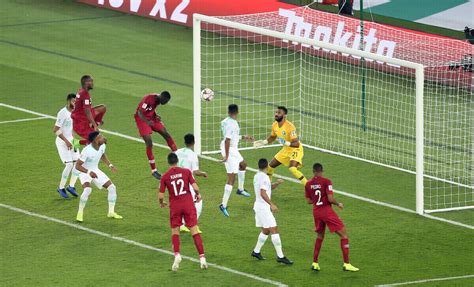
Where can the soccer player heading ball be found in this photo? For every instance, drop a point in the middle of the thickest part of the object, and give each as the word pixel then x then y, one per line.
pixel 291 155
pixel 86 119
pixel 148 121
pixel 318 192
pixel 177 181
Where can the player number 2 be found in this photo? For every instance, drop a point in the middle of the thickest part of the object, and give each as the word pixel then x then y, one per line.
pixel 318 194
pixel 175 184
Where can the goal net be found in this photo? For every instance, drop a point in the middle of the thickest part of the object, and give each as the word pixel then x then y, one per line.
pixel 351 93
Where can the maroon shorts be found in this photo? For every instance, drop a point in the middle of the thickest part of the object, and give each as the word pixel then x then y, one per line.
pixel 327 216
pixel 178 211
pixel 144 129
pixel 82 128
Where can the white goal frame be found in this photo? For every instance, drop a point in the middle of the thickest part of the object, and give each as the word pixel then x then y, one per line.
pixel 419 81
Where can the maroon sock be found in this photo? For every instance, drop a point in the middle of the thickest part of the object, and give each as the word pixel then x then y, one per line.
pixel 345 249
pixel 171 144
pixel 151 157
pixel 175 241
pixel 198 242
pixel 317 247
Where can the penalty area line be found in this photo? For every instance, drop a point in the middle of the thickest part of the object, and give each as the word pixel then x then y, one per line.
pixel 358 197
pixel 426 281
pixel 138 244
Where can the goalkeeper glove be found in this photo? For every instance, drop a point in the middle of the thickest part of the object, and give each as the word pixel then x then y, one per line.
pixel 260 143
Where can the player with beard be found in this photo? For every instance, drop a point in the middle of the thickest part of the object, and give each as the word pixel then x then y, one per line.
pixel 291 155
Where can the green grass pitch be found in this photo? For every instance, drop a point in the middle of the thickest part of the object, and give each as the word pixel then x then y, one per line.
pixel 46 45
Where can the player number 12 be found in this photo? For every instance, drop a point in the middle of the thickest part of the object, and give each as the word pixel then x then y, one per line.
pixel 179 182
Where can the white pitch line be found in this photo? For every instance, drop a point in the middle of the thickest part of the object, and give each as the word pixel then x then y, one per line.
pixel 136 243
pixel 362 198
pixel 24 120
pixel 426 280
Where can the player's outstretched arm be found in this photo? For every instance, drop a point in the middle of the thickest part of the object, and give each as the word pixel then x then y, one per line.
pixel 277 183
pixel 248 138
pixel 106 160
pixel 260 143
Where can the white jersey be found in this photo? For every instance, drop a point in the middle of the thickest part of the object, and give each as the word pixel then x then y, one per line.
pixel 91 157
pixel 64 122
pixel 261 181
pixel 230 130
pixel 188 159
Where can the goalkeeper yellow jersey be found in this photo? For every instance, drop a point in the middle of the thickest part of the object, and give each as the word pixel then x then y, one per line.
pixel 285 133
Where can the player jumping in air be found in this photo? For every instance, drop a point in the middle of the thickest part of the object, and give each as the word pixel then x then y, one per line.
pixel 86 118
pixel 177 181
pixel 148 121
pixel 319 192
pixel 233 161
pixel 264 209
pixel 88 165
pixel 291 155
pixel 68 154
pixel 189 159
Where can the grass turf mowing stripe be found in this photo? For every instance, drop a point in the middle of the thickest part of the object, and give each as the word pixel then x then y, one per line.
pixel 132 242
pixel 361 198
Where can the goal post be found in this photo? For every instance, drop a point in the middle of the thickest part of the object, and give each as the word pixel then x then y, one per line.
pixel 259 68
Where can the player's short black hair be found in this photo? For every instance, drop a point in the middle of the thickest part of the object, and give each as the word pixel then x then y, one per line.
pixel 233 109
pixel 166 94
pixel 317 167
pixel 92 136
pixel 172 158
pixel 70 96
pixel 188 139
pixel 85 78
pixel 283 108
pixel 262 163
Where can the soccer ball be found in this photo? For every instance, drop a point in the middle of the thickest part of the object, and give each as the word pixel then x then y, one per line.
pixel 207 94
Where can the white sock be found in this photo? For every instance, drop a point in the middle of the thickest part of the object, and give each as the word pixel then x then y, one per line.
pixel 261 240
pixel 277 244
pixel 112 197
pixel 227 193
pixel 74 175
pixel 198 206
pixel 66 171
pixel 84 197
pixel 241 176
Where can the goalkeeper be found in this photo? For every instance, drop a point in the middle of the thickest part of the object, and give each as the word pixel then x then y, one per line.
pixel 291 155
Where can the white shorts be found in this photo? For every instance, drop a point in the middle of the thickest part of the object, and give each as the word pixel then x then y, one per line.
pixel 234 160
pixel 66 155
pixel 264 218
pixel 101 179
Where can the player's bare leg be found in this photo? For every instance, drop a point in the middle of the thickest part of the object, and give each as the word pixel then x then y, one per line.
pixel 317 248
pixel 82 203
pixel 175 242
pixel 271 167
pixel 111 198
pixel 345 250
pixel 169 140
pixel 294 169
pixel 199 246
pixel 151 157
pixel 241 179
pixel 227 192
pixel 99 112
pixel 281 258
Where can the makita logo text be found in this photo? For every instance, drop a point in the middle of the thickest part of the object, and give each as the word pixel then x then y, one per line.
pixel 297 26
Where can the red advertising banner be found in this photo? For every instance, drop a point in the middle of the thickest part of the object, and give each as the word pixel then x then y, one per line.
pixel 181 11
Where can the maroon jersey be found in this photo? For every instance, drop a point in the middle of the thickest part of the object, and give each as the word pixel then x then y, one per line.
pixel 317 189
pixel 177 180
pixel 148 106
pixel 83 102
